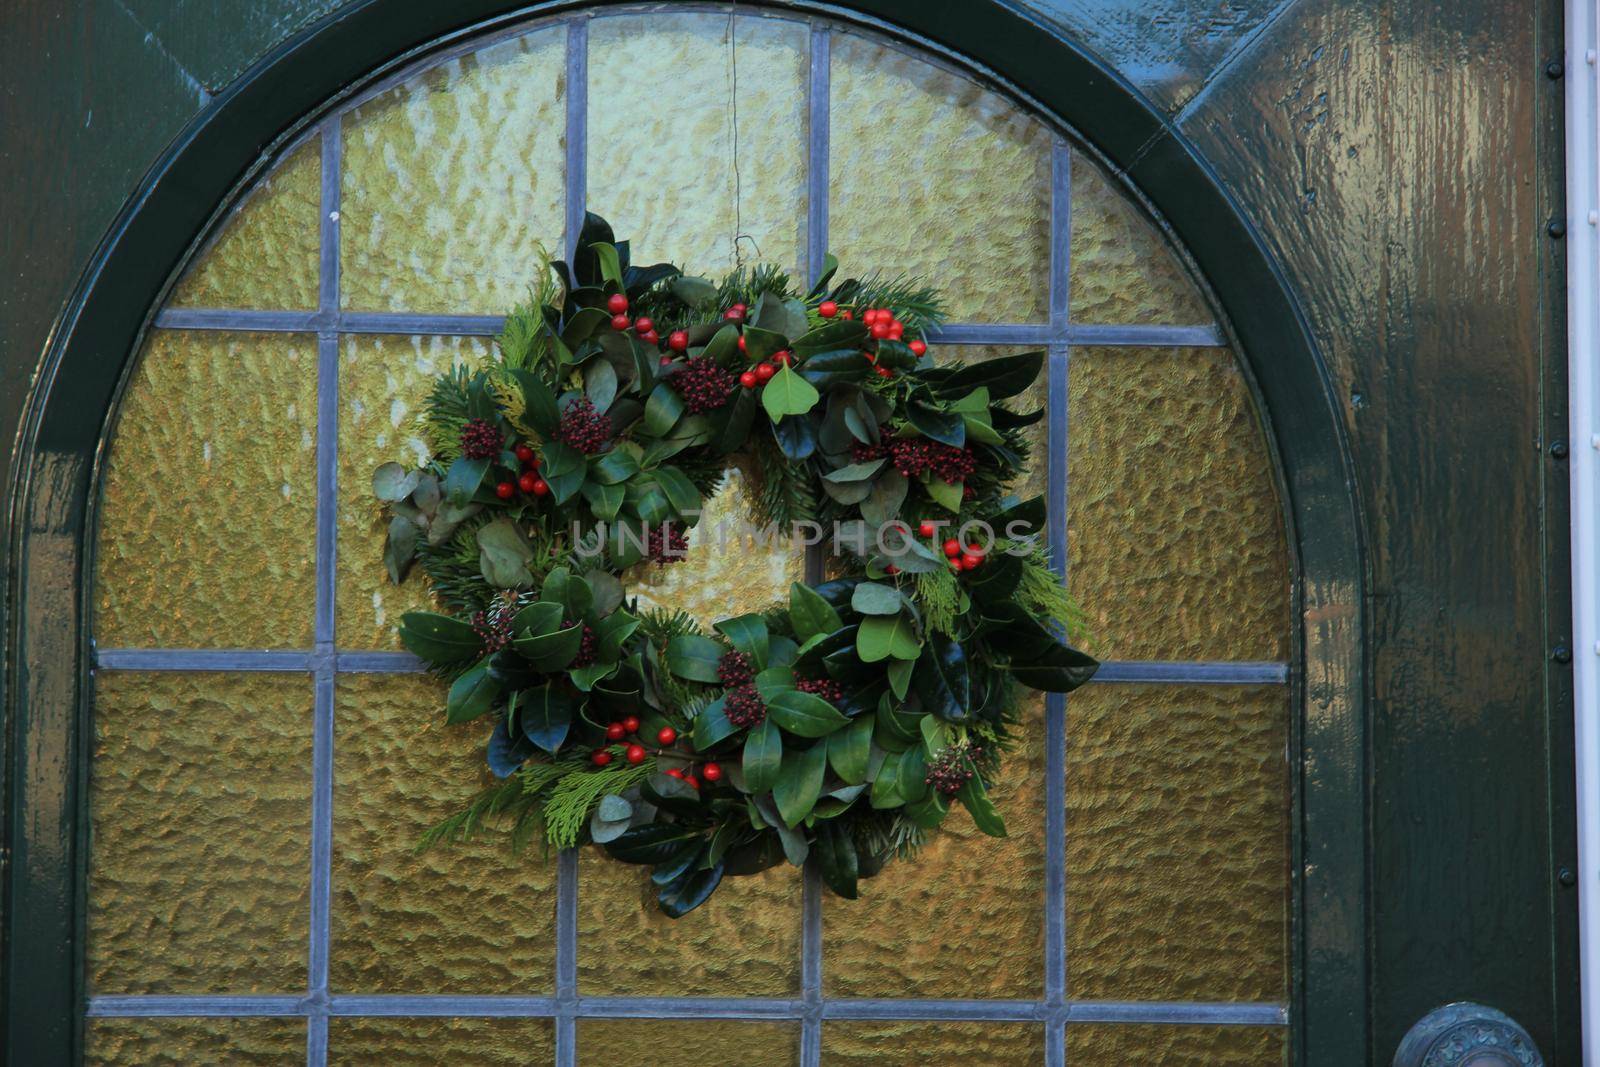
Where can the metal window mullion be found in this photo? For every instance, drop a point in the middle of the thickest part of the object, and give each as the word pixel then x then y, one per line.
pixel 1057 364
pixel 322 660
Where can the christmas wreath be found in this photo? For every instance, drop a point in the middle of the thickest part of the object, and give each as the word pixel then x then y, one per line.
pixel 840 726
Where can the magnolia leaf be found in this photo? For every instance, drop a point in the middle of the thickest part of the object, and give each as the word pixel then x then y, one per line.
pixel 694 658
pixel 811 615
pixel 788 394
pixel 763 754
pixel 799 783
pixel 439 639
pixel 748 634
pixel 804 714
pixel 471 695
pixel 696 292
pixel 849 750
pixel 942 426
pixel 546 716
pixel 981 808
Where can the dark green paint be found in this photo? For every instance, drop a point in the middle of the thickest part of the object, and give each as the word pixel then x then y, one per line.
pixel 1428 520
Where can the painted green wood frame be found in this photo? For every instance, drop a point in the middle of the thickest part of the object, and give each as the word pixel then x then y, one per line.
pixel 90 350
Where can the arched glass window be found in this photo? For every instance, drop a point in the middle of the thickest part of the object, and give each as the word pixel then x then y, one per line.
pixel 265 757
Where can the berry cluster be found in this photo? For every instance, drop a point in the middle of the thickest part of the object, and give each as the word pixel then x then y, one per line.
pixel 588 644
pixel 642 327
pixel 952 768
pixel 493 625
pixel 666 545
pixel 583 427
pixel 734 669
pixel 528 481
pixel 826 688
pixel 912 456
pixel 703 385
pixel 744 707
pixel 481 439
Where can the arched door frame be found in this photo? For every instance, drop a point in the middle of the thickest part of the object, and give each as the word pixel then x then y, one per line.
pixel 95 338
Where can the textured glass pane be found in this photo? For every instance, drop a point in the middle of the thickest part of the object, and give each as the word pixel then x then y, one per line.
pixel 744 941
pixel 1177 843
pixel 1178 1046
pixel 200 809
pixel 460 918
pixel 207 535
pixel 383 384
pixel 270 1042
pixel 428 1042
pixel 265 254
pixel 1176 538
pixel 964 917
pixel 453 182
pixel 936 177
pixel 1122 270
pixel 687 1043
pixel 728 569
pixel 665 167
pixel 925 1044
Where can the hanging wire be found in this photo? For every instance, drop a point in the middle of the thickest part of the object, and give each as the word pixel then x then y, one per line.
pixel 733 113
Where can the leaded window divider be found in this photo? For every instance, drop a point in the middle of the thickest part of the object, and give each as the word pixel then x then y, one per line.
pixel 1130 672
pixel 1078 335
pixel 1123 1012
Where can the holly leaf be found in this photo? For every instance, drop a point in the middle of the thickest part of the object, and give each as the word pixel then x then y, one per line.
pixel 788 394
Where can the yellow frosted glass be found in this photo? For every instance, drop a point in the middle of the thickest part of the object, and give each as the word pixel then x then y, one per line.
pixel 662 164
pixel 460 918
pixel 200 811
pixel 177 1042
pixel 727 570
pixel 207 524
pixel 453 182
pixel 744 941
pixel 923 1044
pixel 934 176
pixel 265 253
pixel 383 384
pixel 428 1042
pixel 1177 843
pixel 687 1043
pixel 899 940
pixel 1122 269
pixel 1174 530
pixel 1178 1046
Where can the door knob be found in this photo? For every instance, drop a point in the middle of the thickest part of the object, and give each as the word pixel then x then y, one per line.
pixel 1467 1035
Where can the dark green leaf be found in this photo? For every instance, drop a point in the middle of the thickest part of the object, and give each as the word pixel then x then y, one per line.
pixel 696 292
pixel 505 752
pixel 546 716
pixel 836 859
pixel 748 634
pixel 942 426
pixel 471 695
pixel 799 782
pixel 439 639
pixel 690 891
pixel 763 754
pixel 982 809
pixel 811 615
pixel 680 491
pixel 604 500
pixel 662 410
pixel 614 467
pixel 540 617
pixel 930 811
pixel 1006 376
pixel 538 402
pixel 711 726
pixel 695 658
pixel 796 436
pixel 804 714
pixel 564 470
pixel 842 335
pixel 848 750
pixel 462 480
pixel 888 493
pixel 651 843
pixel 941 681
pixel 551 652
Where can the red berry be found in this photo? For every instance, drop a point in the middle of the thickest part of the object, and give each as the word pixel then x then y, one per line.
pixel 896 331
pixel 617 304
pixel 952 548
pixel 918 348
pixel 827 309
pixel 712 772
pixel 540 487
pixel 505 490
pixel 733 314
pixel 784 357
pixel 621 322
pixel 527 482
pixel 955 563
pixel 635 753
pixel 969 561
pixel 870 316
pixel 665 360
pixel 678 340
pixel 650 337
pixel 885 372
pixel 643 324
pixel 880 329
pixel 891 569
pixel 666 735
pixel 764 371
pixel 674 772
pixel 692 780
pixel 615 732
pixel 926 528
pixel 631 724
pixel 601 758
pixel 741 343
pixel 741 307
pixel 849 315
pixel 975 550
pixel 525 453
pixel 748 379
pixel 534 463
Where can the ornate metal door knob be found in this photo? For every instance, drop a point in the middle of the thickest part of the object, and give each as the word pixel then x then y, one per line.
pixel 1467 1035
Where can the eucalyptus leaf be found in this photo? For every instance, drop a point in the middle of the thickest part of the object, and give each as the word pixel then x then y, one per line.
pixel 786 393
pixel 391 482
pixel 504 555
pixel 871 598
pixel 885 636
pixel 400 547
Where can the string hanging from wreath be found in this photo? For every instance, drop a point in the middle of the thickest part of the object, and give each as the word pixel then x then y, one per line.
pixel 839 727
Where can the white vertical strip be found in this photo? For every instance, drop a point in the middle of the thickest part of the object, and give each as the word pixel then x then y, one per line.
pixel 1583 348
